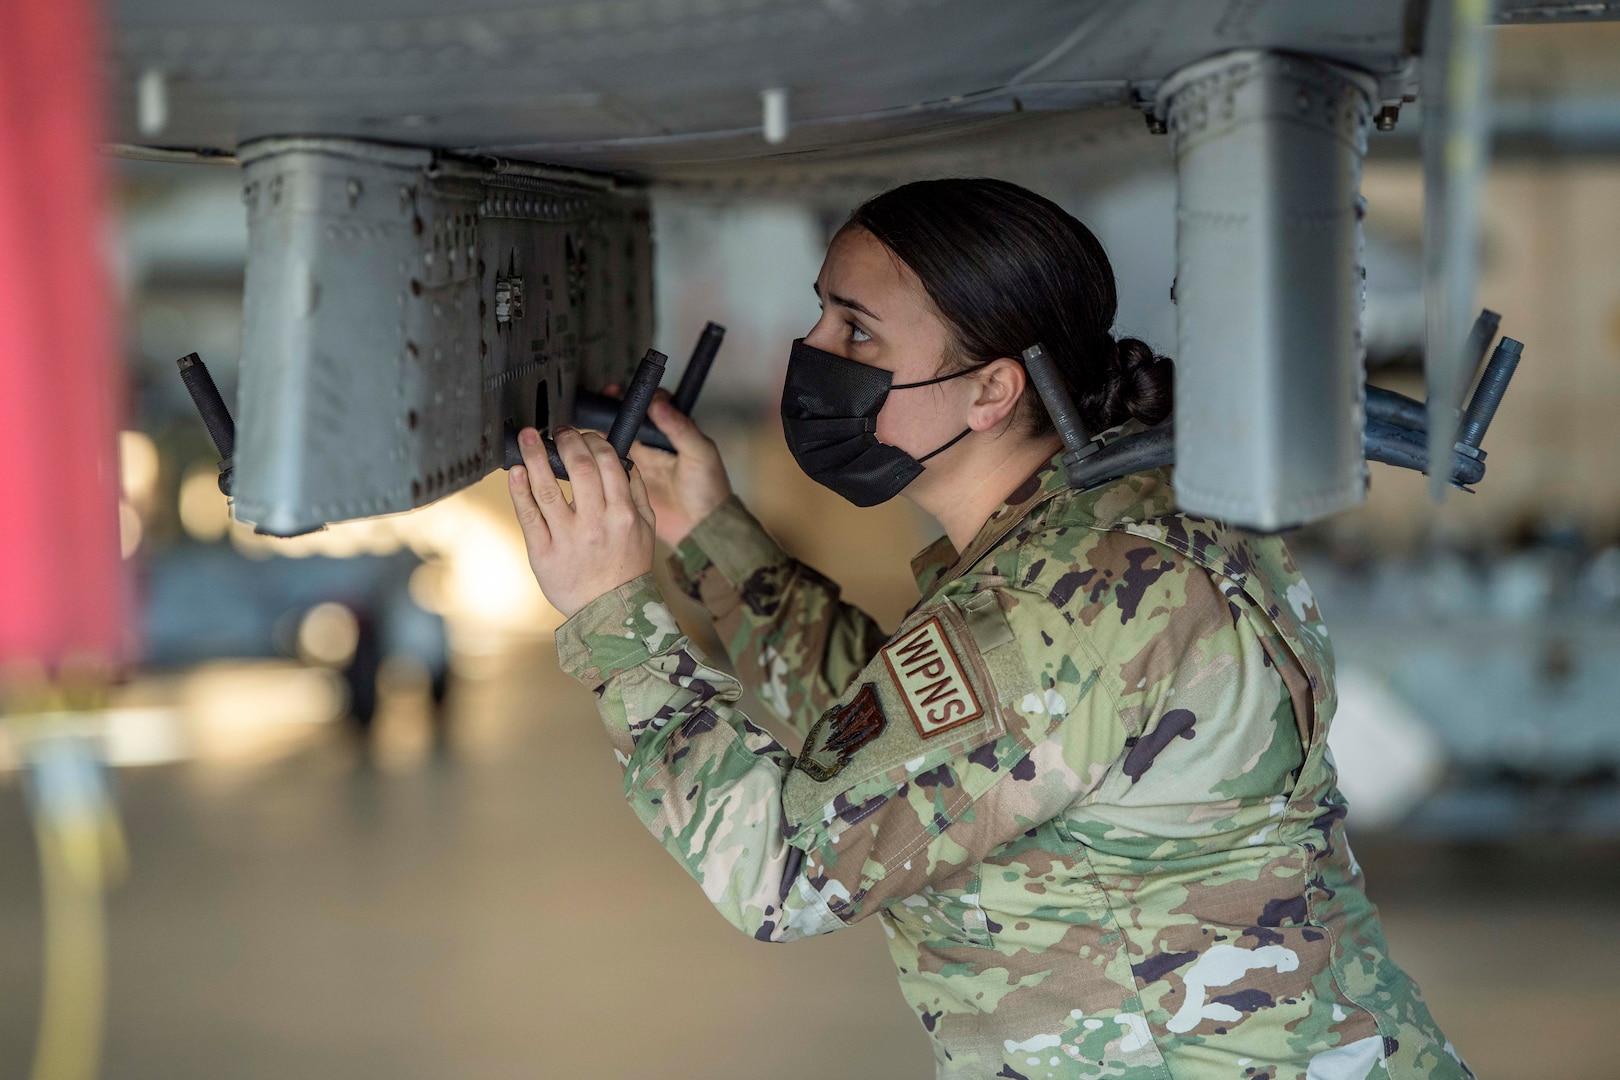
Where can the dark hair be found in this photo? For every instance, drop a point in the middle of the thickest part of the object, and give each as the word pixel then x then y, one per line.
pixel 1007 268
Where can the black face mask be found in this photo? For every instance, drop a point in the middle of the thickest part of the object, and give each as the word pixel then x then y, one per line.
pixel 829 416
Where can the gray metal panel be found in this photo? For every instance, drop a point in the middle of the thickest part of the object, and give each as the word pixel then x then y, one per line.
pixel 650 85
pixel 1456 95
pixel 376 370
pixel 1268 286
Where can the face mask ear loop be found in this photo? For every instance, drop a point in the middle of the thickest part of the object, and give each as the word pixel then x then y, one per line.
pixel 965 433
pixel 931 382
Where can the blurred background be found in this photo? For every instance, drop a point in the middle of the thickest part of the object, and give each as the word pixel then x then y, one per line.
pixel 375 833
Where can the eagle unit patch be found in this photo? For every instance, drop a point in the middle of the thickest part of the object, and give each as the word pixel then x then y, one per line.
pixel 839 733
pixel 930 679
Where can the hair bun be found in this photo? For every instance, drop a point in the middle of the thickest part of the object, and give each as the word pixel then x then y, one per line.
pixel 1147 380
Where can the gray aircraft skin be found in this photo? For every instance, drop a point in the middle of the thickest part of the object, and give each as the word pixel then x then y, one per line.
pixel 449 231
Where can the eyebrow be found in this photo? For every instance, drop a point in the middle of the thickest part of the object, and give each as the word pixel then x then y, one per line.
pixel 853 305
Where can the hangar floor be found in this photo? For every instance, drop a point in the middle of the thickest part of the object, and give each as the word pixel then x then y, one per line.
pixel 498 913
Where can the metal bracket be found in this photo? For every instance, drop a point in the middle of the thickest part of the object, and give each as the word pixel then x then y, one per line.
pixel 403 307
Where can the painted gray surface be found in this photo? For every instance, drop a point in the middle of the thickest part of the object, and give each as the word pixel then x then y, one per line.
pixel 669 90
pixel 667 85
pixel 376 374
pixel 1268 286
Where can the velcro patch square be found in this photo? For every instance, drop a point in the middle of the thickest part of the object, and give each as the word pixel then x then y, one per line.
pixel 931 681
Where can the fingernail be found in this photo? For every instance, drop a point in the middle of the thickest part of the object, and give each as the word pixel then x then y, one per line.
pixel 528 436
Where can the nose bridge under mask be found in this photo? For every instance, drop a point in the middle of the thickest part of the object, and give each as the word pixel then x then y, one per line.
pixel 827 383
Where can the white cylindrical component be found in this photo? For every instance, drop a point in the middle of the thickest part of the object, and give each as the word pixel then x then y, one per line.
pixel 774 103
pixel 152 102
pixel 1269 286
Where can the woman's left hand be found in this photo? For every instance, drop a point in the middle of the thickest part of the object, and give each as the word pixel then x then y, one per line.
pixel 603 539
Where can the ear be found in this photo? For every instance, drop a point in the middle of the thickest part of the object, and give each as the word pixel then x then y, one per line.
pixel 1000 386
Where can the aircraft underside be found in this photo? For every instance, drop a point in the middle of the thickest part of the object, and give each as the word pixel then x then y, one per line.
pixel 450 235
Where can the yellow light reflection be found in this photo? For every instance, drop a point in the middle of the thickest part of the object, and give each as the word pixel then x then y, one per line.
pixel 138 467
pixel 427 586
pixel 477 574
pixel 485 589
pixel 254 712
pixel 343 540
pixel 129 528
pixel 328 635
pixel 227 712
pixel 204 512
pixel 402 733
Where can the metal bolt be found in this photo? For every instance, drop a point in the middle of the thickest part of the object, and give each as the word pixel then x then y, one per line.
pixel 1387 117
pixel 508 300
pixel 1155 125
pixel 152 102
pixel 774 121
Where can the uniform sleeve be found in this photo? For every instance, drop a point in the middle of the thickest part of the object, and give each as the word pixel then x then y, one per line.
pixel 896 787
pixel 794 642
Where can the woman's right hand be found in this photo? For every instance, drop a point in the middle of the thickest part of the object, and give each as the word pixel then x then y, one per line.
pixel 684 487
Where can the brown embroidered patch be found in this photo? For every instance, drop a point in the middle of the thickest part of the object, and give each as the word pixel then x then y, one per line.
pixel 839 733
pixel 931 680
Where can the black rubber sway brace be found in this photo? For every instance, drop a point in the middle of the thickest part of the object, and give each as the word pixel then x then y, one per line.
pixel 697 368
pixel 1078 445
pixel 1055 396
pixel 637 400
pixel 512 452
pixel 205 395
pixel 632 413
pixel 595 412
pixel 598 411
pixel 1488 394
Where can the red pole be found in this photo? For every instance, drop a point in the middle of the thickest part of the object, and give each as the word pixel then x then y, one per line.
pixel 63 592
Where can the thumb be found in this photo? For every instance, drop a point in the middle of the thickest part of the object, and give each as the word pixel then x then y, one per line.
pixel 684 435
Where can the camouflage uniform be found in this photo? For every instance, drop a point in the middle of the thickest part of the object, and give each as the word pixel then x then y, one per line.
pixel 1085 787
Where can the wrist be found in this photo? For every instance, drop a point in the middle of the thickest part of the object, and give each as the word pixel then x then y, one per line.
pixel 729 542
pixel 616 631
pixel 570 602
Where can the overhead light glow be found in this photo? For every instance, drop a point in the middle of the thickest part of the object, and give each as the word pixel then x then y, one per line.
pixel 138 466
pixel 328 635
pixel 204 512
pixel 129 528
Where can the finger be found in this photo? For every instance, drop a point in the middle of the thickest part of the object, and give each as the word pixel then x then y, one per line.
pixel 615 488
pixel 639 497
pixel 660 396
pixel 612 390
pixel 650 457
pixel 536 533
pixel 583 473
pixel 684 435
pixel 656 468
pixel 548 497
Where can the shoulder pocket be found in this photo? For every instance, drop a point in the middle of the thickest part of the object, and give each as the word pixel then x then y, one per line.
pixel 936 691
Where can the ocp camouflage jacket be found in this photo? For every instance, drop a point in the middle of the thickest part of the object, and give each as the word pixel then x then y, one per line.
pixel 1085 786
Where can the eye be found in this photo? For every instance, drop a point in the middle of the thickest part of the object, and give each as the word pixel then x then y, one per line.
pixel 857 335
